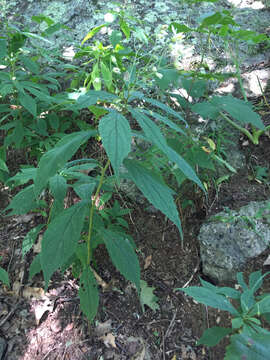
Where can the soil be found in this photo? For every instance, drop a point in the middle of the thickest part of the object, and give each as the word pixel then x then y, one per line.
pixel 49 326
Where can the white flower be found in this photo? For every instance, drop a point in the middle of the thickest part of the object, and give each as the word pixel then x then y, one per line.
pixel 116 70
pixel 109 18
pixel 159 75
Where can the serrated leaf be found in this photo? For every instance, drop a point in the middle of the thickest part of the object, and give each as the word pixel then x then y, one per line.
pixel 245 347
pixel 241 281
pixel 115 132
pixel 159 194
pixel 23 176
pixel 84 191
pixel 30 239
pixel 4 277
pixel 3 166
pixel 106 75
pixel 165 121
pixel 206 110
pixel 35 267
pixel 147 297
pixel 212 336
pixel 23 202
pixel 165 108
pixel 247 300
pixel 209 298
pixel 125 28
pixel 123 256
pixel 92 33
pixel 88 294
pixel 58 187
pixel 154 134
pixel 255 280
pixel 95 77
pixel 3 48
pixel 61 238
pixel 239 110
pixel 30 64
pixel 28 103
pixel 261 307
pixel 56 158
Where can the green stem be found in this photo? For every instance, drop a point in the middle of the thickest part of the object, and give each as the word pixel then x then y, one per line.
pixel 240 128
pixel 91 214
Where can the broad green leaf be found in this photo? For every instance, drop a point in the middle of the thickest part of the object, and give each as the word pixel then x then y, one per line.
pixel 53 160
pixel 212 336
pixel 239 110
pixel 245 347
pixel 123 256
pixel 255 280
pixel 35 267
pixel 58 188
pixel 30 64
pixel 23 176
pixel 28 103
pixel 3 166
pixel 125 28
pixel 164 120
pixel 169 76
pixel 207 297
pixel 30 239
pixel 261 307
pixel 23 202
pixel 60 240
pixel 154 134
pixel 159 194
pixel 36 37
pixel 179 28
pixel 92 33
pixel 206 110
pixel 115 132
pixel 165 108
pixel 227 291
pixel 115 38
pixel 40 18
pixel 247 300
pixel 241 281
pixel 88 293
pixel 106 75
pixel 4 277
pixel 85 191
pixel 147 297
pixel 95 77
pixel 3 48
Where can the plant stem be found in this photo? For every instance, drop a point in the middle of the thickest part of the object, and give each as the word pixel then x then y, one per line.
pixel 91 214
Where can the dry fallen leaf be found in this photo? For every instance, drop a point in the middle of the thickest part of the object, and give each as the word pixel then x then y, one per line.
pixel 103 328
pixel 109 340
pixel 41 308
pixel 147 262
pixel 33 293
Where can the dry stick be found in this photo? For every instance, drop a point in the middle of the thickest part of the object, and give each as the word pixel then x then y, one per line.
pixel 169 329
pixel 11 313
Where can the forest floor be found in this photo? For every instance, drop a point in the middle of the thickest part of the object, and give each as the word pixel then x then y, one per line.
pixel 49 326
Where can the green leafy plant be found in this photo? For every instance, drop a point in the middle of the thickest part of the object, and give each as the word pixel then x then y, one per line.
pixel 28 88
pixel 248 339
pixel 81 227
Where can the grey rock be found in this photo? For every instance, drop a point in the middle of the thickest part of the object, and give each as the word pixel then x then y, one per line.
pixel 231 237
pixel 3 348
